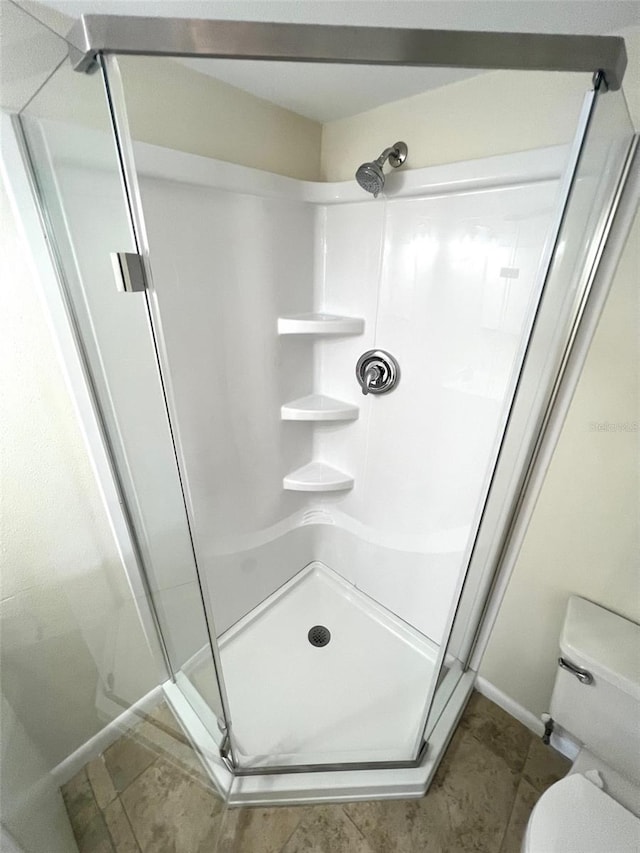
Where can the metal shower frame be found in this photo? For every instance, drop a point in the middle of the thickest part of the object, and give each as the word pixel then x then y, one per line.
pixel 96 36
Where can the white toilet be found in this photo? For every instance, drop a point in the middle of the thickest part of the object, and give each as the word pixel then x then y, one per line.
pixel 596 701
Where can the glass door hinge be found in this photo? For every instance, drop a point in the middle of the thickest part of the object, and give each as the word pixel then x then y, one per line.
pixel 225 753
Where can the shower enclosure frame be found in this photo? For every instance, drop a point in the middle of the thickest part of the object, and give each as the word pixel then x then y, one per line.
pixel 100 34
pixel 94 38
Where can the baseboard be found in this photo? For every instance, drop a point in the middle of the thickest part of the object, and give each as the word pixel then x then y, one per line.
pixel 509 705
pixel 96 745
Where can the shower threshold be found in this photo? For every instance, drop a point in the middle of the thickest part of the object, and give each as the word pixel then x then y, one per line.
pixel 358 697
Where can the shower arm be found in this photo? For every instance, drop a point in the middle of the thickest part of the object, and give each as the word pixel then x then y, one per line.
pixel 382 159
pixel 396 155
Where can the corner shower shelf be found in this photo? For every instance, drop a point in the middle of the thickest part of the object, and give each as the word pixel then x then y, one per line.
pixel 320 324
pixel 317 477
pixel 317 407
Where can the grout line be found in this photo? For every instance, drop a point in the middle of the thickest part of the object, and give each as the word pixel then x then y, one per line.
pixel 91 788
pixel 133 832
pixel 297 826
pixel 352 821
pixel 511 811
pixel 114 847
pixel 179 737
pixel 135 779
pixel 222 828
pixel 526 758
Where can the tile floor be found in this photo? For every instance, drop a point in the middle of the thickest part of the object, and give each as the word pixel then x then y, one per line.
pixel 149 794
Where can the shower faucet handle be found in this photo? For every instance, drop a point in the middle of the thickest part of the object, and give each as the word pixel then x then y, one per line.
pixel 377 372
pixel 372 375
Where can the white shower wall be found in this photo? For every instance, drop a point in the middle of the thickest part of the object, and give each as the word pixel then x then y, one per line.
pixel 445 283
pixel 226 265
pixel 443 271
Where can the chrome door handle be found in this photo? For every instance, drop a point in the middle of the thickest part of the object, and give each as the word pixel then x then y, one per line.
pixel 128 270
pixel 583 675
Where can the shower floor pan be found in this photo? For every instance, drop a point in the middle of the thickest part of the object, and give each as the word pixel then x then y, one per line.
pixel 358 698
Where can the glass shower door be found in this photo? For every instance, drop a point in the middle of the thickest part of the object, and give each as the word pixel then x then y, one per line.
pixel 592 184
pixel 69 136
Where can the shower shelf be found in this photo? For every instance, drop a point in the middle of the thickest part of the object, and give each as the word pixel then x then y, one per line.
pixel 320 324
pixel 317 477
pixel 317 407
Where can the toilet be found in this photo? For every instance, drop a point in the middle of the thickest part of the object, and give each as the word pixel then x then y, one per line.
pixel 596 702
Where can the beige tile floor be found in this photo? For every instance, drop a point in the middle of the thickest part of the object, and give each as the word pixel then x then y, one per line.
pixel 149 794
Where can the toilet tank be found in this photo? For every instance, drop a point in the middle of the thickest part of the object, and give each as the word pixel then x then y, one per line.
pixel 603 715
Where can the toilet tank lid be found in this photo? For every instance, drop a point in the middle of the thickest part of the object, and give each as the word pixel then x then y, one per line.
pixel 604 643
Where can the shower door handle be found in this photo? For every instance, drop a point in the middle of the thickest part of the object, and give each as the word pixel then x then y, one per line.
pixel 128 271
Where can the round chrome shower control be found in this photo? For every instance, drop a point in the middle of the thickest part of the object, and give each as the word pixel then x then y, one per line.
pixel 377 372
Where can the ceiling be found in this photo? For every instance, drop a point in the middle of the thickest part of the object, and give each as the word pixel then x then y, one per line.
pixel 328 92
pixel 560 16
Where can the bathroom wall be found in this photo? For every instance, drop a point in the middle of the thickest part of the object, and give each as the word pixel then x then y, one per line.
pixel 32 807
pixel 503 111
pixel 217 120
pixel 445 280
pixel 224 270
pixel 584 537
pixel 65 604
pixel 66 609
pixel 493 113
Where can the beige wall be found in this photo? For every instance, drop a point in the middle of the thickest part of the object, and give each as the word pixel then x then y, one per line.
pixel 494 113
pixel 32 807
pixel 64 602
pixel 173 106
pixel 177 107
pixel 584 537
pixel 168 104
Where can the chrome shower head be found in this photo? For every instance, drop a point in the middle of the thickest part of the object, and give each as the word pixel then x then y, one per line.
pixel 370 175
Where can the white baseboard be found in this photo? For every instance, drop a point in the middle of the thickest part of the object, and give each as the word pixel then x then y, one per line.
pixel 96 745
pixel 509 705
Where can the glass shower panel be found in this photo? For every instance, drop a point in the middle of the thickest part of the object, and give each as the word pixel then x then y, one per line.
pixel 68 131
pixel 582 231
pixel 332 529
pixel 73 653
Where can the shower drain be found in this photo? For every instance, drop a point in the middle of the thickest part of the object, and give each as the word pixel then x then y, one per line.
pixel 319 635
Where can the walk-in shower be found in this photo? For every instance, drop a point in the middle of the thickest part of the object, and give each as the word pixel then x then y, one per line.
pixel 321 413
